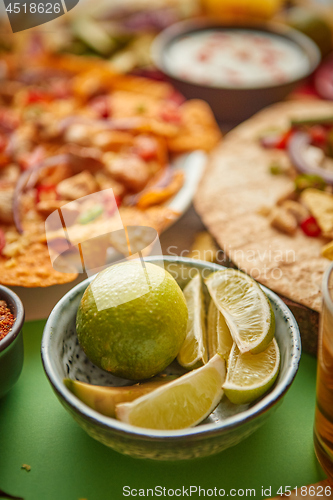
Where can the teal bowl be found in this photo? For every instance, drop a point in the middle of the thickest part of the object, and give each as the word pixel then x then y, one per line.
pixel 11 346
pixel 227 426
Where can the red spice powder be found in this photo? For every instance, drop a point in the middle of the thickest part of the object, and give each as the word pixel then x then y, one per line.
pixel 6 319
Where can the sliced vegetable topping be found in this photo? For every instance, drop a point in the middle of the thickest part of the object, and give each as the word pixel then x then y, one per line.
pixel 37 95
pixel 276 139
pixel 318 135
pixel 276 169
pixel 297 149
pixel 91 214
pixel 305 181
pixel 310 227
pixel 101 106
pixel 2 240
pixel 327 120
pixel 46 192
pixel 171 113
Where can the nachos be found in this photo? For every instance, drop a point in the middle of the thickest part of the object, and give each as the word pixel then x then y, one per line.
pixel 71 127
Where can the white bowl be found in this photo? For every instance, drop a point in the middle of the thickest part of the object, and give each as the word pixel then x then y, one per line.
pixel 226 426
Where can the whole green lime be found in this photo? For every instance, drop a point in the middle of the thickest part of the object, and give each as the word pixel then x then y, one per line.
pixel 132 320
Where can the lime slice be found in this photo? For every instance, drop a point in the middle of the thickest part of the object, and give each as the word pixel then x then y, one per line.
pixel 218 334
pixel 179 404
pixel 245 307
pixel 104 399
pixel 193 352
pixel 251 375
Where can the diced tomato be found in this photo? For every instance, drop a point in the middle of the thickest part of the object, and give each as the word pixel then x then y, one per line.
pixel 101 106
pixel 29 159
pixel 284 139
pixel 111 203
pixel 171 113
pixel 318 135
pixel 46 192
pixel 176 98
pixel 3 143
pixel 8 120
pixel 310 227
pixel 37 95
pixel 146 147
pixel 2 240
pixel 276 141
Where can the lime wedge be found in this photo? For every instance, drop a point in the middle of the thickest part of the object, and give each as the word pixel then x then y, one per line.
pixel 104 399
pixel 245 307
pixel 179 404
pixel 251 375
pixel 193 352
pixel 218 334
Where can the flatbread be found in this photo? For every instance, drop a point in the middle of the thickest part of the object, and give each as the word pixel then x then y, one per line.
pixel 237 184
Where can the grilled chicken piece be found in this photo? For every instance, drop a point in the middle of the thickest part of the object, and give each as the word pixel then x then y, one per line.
pixel 129 170
pixel 105 181
pixel 46 207
pixel 9 174
pixel 6 205
pixel 77 186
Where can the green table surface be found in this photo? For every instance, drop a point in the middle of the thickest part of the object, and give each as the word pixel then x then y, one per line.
pixel 67 464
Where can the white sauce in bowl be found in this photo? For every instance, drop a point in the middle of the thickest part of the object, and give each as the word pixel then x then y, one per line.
pixel 236 58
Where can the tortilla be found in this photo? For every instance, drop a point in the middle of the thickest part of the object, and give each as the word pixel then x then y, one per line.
pixel 237 184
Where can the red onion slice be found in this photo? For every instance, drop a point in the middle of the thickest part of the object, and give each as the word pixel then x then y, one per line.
pixel 113 124
pixel 25 180
pixel 296 149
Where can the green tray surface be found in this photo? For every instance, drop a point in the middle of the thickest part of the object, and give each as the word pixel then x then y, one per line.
pixel 67 464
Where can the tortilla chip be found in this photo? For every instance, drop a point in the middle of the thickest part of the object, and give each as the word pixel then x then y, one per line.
pixel 91 241
pixel 32 269
pixel 140 85
pixel 157 217
pixel 144 107
pixel 156 195
pixel 199 130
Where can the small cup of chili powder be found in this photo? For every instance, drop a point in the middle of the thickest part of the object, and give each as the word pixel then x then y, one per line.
pixel 11 340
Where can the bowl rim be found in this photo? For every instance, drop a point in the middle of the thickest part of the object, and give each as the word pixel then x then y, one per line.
pixel 323 78
pixel 168 35
pixel 210 429
pixel 15 304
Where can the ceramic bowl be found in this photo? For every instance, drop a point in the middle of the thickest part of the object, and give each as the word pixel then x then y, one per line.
pixel 11 346
pixel 232 105
pixel 226 426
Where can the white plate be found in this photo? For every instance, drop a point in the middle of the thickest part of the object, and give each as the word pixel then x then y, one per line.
pixel 39 302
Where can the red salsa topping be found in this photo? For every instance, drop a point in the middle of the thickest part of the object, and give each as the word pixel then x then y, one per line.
pixel 6 319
